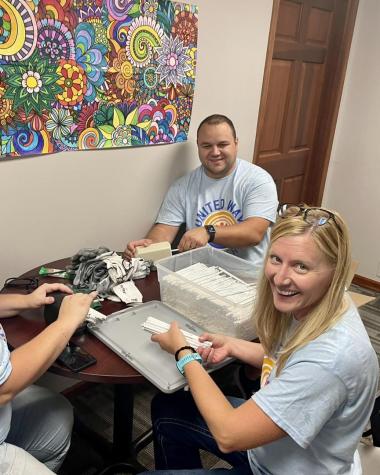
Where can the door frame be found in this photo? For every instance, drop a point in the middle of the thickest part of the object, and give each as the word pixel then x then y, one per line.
pixel 330 115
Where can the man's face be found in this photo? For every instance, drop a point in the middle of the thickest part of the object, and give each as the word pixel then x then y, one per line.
pixel 217 149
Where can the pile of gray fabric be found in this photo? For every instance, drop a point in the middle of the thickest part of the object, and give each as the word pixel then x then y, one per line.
pixel 101 269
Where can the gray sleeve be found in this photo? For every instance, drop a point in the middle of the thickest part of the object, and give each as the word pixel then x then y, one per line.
pixel 172 211
pixel 261 198
pixel 302 400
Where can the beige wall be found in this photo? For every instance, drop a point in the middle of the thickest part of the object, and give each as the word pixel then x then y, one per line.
pixel 53 205
pixel 353 182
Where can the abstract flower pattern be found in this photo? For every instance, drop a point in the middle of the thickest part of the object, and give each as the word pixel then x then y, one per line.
pixel 173 61
pixel 123 129
pixel 124 78
pixel 31 81
pixel 85 74
pixel 185 27
pixel 91 57
pixel 31 84
pixel 73 82
pixel 150 7
pixel 55 40
pixel 59 123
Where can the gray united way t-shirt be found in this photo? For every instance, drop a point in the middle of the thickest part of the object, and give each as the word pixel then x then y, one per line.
pixel 322 399
pixel 197 200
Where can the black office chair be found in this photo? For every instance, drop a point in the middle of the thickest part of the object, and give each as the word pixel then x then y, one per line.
pixel 180 233
pixel 375 424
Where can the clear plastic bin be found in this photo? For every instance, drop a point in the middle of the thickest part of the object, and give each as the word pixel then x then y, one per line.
pixel 209 309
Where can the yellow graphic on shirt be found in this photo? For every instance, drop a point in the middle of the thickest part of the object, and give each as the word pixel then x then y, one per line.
pixel 220 218
pixel 268 365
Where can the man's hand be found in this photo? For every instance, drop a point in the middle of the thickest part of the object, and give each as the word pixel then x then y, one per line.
pixel 40 296
pixel 130 250
pixel 172 340
pixel 74 308
pixel 219 350
pixel 193 238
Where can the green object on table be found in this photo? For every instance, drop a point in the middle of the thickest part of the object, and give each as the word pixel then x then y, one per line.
pixel 59 273
pixel 96 303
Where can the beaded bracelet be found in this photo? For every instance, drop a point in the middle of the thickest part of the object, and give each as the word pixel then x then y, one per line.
pixel 183 348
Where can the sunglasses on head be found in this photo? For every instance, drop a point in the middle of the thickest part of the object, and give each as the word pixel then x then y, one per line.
pixel 312 215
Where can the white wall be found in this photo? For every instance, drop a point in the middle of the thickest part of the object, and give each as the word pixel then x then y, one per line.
pixel 353 181
pixel 51 206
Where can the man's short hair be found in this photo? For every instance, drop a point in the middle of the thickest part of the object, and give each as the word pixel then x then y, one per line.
pixel 217 119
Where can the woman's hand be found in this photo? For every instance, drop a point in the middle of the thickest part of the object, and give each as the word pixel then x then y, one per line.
pixel 171 340
pixel 74 308
pixel 219 350
pixel 40 296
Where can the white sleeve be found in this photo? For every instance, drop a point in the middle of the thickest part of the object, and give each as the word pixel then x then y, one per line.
pixel 261 199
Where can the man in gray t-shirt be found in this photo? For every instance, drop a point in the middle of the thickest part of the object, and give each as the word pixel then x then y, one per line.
pixel 226 202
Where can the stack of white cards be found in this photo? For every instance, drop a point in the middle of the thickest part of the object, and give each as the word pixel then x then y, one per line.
pixel 94 316
pixel 153 325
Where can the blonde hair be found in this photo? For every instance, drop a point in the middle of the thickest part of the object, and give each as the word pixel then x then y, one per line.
pixel 332 239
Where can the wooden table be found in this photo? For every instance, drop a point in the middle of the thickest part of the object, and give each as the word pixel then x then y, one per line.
pixel 109 369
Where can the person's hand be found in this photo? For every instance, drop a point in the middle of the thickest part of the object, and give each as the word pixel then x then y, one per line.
pixel 193 238
pixel 74 308
pixel 219 351
pixel 172 340
pixel 130 250
pixel 41 297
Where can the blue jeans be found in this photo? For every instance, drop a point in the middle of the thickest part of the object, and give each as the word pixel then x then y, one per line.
pixel 180 431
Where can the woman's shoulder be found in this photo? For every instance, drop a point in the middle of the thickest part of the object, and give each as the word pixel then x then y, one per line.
pixel 349 329
pixel 344 348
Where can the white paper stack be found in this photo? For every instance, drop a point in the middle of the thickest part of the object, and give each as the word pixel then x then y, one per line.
pixel 153 325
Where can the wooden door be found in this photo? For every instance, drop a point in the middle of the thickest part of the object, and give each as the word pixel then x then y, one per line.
pixel 303 80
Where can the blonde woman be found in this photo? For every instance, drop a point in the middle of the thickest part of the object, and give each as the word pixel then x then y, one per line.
pixel 319 370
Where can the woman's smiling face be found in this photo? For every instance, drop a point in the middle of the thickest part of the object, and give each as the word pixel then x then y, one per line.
pixel 299 274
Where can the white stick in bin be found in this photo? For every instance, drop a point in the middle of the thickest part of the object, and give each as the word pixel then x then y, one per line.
pixel 153 325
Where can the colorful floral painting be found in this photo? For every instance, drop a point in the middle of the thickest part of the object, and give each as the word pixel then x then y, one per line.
pixel 95 74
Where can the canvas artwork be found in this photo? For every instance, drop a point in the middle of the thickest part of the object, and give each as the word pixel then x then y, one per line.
pixel 95 74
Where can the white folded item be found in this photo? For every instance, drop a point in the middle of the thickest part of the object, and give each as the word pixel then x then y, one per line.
pixel 128 292
pixel 94 316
